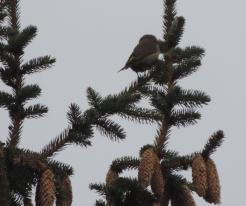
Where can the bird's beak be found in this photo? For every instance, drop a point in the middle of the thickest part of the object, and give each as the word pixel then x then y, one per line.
pixel 124 68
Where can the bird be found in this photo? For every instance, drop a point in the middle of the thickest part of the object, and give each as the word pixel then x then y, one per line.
pixel 144 55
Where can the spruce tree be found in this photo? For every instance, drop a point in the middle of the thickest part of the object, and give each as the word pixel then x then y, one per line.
pixel 159 182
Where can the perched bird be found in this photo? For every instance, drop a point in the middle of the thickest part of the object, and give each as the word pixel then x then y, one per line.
pixel 144 55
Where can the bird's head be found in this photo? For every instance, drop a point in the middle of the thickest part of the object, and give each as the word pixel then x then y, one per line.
pixel 148 37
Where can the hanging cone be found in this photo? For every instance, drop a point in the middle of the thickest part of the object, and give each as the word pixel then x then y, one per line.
pixel 188 198
pixel 183 198
pixel 111 177
pixel 199 175
pixel 66 198
pixel 146 167
pixel 28 202
pixel 213 192
pixel 157 180
pixel 45 192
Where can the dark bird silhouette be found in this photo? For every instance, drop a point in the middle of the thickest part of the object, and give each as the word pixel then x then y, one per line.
pixel 144 55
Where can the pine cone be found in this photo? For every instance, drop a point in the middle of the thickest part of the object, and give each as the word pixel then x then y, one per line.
pixel 157 180
pixel 187 196
pixel 45 192
pixel 111 177
pixel 67 198
pixel 146 167
pixel 183 198
pixel 213 192
pixel 199 175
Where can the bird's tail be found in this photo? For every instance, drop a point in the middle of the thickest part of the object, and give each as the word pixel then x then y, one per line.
pixel 124 68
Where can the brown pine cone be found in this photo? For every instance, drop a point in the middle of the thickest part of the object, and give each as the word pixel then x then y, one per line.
pixel 146 167
pixel 183 198
pixel 45 191
pixel 157 180
pixel 66 198
pixel 111 177
pixel 199 175
pixel 213 192
pixel 188 198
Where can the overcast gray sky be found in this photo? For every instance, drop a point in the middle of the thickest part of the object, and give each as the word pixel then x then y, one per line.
pixel 92 40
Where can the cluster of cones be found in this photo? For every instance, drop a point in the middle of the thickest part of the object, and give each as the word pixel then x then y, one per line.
pixel 46 191
pixel 205 179
pixel 150 173
pixel 204 174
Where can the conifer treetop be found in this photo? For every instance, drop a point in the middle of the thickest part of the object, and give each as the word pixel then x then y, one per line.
pixel 175 107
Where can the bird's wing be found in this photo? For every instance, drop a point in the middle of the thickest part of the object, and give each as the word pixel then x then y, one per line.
pixel 141 51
